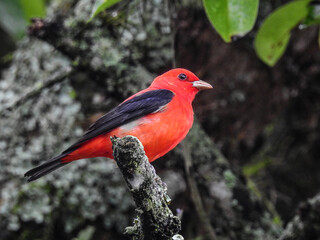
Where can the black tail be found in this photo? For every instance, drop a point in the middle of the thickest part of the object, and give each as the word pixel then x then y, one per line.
pixel 45 168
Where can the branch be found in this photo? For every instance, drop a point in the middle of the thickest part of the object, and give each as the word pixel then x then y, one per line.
pixel 55 33
pixel 155 220
pixel 57 78
pixel 306 224
pixel 195 194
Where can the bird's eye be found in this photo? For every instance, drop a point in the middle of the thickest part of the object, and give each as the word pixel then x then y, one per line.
pixel 182 76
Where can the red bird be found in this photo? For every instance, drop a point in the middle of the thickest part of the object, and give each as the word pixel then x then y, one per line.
pixel 159 116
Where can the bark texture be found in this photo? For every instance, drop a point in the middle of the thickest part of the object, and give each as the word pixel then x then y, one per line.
pixel 306 223
pixel 155 219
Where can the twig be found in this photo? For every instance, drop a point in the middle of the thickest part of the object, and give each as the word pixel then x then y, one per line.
pixel 155 220
pixel 195 195
pixel 36 91
pixel 306 223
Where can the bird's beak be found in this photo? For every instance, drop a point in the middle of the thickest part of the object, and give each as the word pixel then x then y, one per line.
pixel 201 85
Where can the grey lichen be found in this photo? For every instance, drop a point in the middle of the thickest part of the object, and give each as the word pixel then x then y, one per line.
pixel 177 237
pixel 109 55
pixel 155 219
pixel 306 224
pixel 116 53
pixel 35 131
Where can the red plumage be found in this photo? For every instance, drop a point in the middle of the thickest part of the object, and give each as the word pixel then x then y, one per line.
pixel 159 116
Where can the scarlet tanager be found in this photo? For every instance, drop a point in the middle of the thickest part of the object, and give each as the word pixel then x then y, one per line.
pixel 159 116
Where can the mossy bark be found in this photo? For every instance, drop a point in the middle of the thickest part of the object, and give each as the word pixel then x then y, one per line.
pixel 156 220
pixel 306 223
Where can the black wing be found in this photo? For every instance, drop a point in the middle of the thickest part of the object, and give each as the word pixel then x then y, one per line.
pixel 139 106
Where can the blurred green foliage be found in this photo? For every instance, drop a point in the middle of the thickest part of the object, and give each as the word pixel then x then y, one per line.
pixel 235 18
pixel 33 8
pixel 11 18
pixel 101 5
pixel 252 169
pixel 16 14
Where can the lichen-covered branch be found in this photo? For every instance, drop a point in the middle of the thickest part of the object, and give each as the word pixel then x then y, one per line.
pixel 57 78
pixel 195 195
pixel 306 224
pixel 155 219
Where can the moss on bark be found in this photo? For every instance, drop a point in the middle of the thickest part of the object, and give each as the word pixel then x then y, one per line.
pixel 155 219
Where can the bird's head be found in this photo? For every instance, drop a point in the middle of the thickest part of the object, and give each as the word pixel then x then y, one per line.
pixel 181 82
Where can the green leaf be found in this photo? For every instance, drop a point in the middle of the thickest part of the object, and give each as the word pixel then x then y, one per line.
pixel 231 17
pixel 33 8
pixel 313 16
pixel 274 34
pixel 11 18
pixel 101 5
